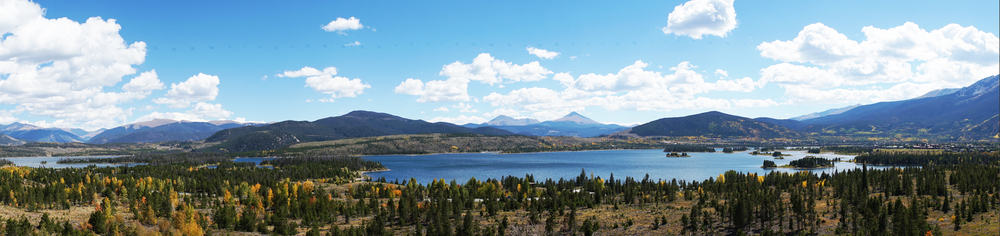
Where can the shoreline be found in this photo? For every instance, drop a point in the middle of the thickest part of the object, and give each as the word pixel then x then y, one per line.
pixel 504 153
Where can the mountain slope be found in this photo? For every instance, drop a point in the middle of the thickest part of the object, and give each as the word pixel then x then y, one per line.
pixel 713 124
pixel 573 124
pixel 962 114
pixel 824 113
pixel 503 120
pixel 161 131
pixel 351 125
pixel 574 117
pixel 31 133
pixel 8 141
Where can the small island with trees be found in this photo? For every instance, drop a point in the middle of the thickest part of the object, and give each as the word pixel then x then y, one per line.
pixel 677 154
pixel 808 162
pixel 687 148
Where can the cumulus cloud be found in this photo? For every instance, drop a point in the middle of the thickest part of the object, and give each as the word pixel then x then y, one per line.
pixel 61 69
pixel 901 62
pixel 199 112
pixel 197 88
pixel 542 53
pixel 144 83
pixel 435 90
pixel 484 68
pixel 341 25
pixel 460 119
pixel 633 87
pixel 325 81
pixel 697 18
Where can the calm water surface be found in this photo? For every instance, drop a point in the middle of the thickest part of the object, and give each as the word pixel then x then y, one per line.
pixel 52 162
pixel 555 165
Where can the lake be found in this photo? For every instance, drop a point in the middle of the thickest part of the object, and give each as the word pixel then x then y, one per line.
pixel 555 165
pixel 52 162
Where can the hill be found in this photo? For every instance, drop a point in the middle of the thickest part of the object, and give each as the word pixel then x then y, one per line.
pixel 351 125
pixel 8 141
pixel 713 124
pixel 162 130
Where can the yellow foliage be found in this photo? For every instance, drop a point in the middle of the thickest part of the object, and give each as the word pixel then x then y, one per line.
pixel 308 186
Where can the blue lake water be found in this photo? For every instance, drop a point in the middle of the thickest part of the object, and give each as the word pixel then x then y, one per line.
pixel 555 165
pixel 52 162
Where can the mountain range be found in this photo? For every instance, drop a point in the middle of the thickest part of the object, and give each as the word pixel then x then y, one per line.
pixel 573 124
pixel 969 113
pixel 163 130
pixel 30 133
pixel 351 125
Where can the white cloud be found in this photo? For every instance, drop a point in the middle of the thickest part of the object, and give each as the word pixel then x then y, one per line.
pixel 542 53
pixel 901 62
pixel 464 107
pixel 484 68
pixel 340 25
pixel 460 120
pixel 721 73
pixel 59 69
pixel 200 112
pixel 325 81
pixel 197 88
pixel 633 87
pixel 435 90
pixel 696 18
pixel 144 83
pixel 353 44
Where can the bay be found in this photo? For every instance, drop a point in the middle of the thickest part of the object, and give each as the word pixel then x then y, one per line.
pixel 555 165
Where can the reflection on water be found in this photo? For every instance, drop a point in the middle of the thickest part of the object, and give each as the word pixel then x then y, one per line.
pixel 555 165
pixel 53 162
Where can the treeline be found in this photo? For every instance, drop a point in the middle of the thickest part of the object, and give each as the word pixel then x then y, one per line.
pixel 811 162
pixel 319 195
pixel 919 159
pixel 734 149
pixel 687 148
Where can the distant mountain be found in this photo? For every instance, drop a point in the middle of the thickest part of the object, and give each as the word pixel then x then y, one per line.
pixel 574 117
pixel 162 130
pixel 573 124
pixel 825 113
pixel 31 133
pixel 503 120
pixel 967 113
pixel 351 125
pixel 713 124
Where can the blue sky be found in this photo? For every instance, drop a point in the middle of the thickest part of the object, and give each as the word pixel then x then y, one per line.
pixel 247 46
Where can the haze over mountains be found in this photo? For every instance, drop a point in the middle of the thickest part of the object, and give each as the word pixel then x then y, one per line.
pixel 31 133
pixel 573 124
pixel 162 130
pixel 970 113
